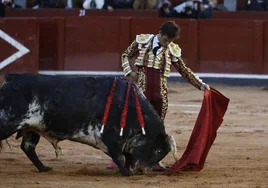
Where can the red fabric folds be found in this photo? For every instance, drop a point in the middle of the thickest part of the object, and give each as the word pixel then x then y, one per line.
pixel 204 133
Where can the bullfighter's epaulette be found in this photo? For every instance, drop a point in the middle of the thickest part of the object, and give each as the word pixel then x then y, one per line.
pixel 144 38
pixel 175 50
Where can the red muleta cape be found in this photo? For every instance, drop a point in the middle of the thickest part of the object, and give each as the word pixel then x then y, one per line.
pixel 204 133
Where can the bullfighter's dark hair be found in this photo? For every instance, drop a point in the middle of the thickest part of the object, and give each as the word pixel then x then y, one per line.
pixel 170 28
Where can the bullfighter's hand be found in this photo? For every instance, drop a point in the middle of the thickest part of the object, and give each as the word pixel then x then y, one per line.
pixel 205 87
pixel 133 77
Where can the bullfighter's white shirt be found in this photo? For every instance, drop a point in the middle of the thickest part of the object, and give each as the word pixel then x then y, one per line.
pixel 155 44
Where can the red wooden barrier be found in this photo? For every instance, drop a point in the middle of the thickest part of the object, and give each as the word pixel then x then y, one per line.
pixel 265 51
pixel 91 42
pixel 231 46
pixel 187 41
pixel 94 43
pixel 51 55
pixel 26 32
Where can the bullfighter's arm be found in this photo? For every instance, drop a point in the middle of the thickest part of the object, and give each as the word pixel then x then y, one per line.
pixel 127 54
pixel 185 72
pixel 188 74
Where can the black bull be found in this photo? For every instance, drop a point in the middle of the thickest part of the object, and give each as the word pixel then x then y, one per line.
pixel 72 107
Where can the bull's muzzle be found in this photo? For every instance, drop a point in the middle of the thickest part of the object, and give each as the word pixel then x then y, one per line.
pixel 139 169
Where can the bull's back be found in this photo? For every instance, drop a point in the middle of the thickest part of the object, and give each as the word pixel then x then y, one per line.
pixel 47 84
pixel 69 102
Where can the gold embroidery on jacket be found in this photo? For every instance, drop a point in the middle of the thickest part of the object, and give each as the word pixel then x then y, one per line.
pixel 168 63
pixel 175 50
pixel 128 53
pixel 143 45
pixel 164 96
pixel 142 79
pixel 144 38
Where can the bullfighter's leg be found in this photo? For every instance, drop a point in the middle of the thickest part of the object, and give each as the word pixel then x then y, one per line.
pixel 29 142
pixel 157 93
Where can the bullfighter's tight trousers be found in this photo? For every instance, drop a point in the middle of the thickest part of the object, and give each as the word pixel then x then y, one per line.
pixel 154 86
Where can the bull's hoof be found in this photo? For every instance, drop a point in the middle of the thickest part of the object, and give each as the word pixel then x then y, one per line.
pixel 127 173
pixel 45 169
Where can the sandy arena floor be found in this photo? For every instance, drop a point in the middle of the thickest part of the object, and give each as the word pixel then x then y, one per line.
pixel 238 158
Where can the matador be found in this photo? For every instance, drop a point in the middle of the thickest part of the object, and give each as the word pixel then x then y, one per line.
pixel 153 56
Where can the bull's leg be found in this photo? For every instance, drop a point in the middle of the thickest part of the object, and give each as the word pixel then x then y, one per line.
pixel 57 148
pixel 29 142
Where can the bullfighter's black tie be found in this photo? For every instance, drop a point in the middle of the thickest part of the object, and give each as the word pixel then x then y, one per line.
pixel 156 48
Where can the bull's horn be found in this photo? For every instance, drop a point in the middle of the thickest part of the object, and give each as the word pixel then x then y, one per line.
pixel 163 166
pixel 173 147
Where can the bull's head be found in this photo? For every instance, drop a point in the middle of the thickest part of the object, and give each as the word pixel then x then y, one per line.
pixel 142 153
